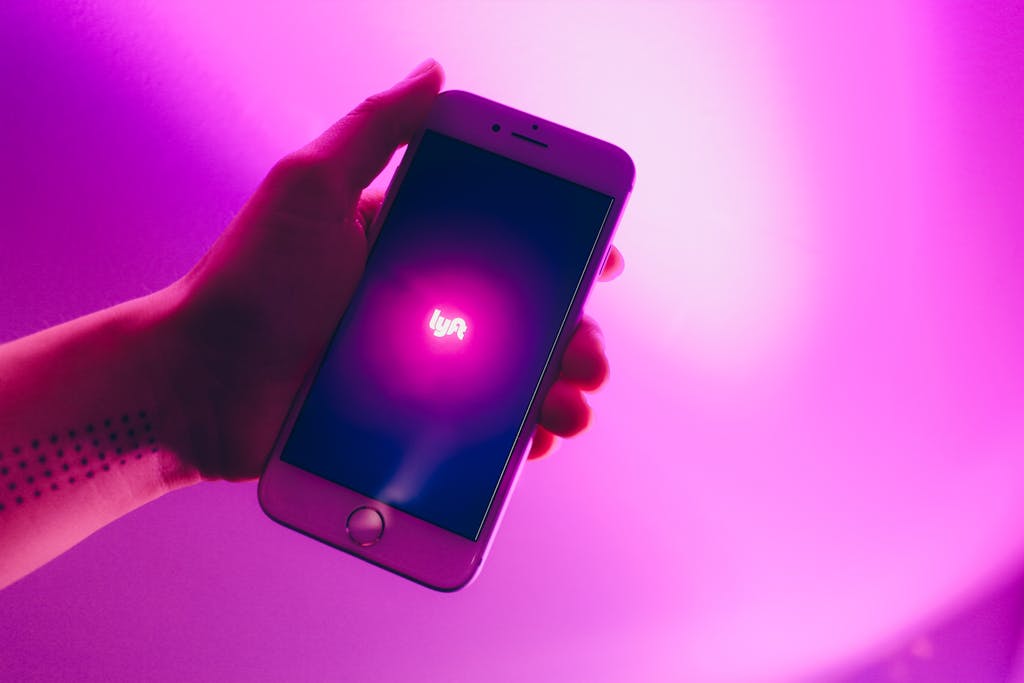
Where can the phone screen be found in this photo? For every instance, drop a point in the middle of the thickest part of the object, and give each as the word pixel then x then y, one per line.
pixel 433 367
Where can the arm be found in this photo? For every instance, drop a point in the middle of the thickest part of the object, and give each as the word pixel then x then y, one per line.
pixel 93 420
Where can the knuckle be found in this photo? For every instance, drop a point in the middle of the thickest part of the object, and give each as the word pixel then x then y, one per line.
pixel 299 168
pixel 371 104
pixel 303 178
pixel 376 114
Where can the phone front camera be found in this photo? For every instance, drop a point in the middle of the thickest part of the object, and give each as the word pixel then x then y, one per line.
pixel 495 128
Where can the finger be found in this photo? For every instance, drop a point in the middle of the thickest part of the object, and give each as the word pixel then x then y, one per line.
pixel 584 363
pixel 366 213
pixel 613 266
pixel 565 412
pixel 358 147
pixel 544 443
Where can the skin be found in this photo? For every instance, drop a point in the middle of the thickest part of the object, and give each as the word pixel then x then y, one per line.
pixel 109 411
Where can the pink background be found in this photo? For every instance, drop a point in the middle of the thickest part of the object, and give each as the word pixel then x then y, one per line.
pixel 809 463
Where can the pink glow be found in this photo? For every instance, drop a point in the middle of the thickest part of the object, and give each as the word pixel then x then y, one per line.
pixel 812 448
pixel 410 363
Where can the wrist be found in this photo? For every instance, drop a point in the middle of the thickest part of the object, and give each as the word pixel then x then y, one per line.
pixel 183 417
pixel 98 420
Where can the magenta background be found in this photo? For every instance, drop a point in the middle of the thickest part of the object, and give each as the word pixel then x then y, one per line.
pixel 812 448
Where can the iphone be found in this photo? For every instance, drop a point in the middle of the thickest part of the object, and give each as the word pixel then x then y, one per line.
pixel 404 443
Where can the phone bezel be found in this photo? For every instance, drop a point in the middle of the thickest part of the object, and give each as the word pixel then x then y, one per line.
pixel 416 549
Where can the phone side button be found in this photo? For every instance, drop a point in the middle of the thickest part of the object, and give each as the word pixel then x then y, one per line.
pixel 365 526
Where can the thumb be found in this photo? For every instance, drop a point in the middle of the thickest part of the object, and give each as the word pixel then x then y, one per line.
pixel 357 148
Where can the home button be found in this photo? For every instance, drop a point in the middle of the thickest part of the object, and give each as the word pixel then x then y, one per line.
pixel 365 526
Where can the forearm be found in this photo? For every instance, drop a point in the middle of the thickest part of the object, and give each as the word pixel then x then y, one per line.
pixel 94 418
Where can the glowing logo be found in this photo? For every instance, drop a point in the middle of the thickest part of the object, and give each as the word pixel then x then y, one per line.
pixel 443 326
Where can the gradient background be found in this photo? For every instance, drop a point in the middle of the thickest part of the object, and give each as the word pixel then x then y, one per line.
pixel 809 463
pixel 427 424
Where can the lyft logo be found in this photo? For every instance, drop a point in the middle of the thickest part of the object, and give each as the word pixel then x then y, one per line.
pixel 443 326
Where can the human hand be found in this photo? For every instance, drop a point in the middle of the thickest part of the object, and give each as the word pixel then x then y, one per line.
pixel 253 315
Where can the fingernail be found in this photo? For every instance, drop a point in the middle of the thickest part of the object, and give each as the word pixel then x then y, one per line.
pixel 425 66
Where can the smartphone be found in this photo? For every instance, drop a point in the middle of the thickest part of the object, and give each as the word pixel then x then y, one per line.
pixel 405 442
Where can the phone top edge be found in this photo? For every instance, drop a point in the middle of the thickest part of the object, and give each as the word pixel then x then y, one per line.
pixel 465 105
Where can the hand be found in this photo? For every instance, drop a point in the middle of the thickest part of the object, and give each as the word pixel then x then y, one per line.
pixel 256 311
pixel 584 369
